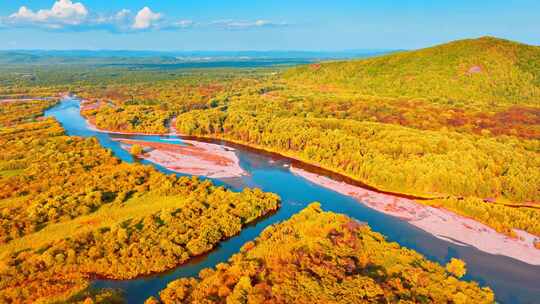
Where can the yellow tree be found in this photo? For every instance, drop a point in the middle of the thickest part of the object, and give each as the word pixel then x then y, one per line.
pixel 136 150
pixel 456 267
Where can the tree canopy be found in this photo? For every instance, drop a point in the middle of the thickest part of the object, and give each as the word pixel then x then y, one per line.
pixel 322 257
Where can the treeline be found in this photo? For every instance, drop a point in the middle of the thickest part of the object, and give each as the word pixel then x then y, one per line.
pixel 503 219
pixel 486 119
pixel 322 257
pixel 70 211
pixel 15 112
pixel 147 107
pixel 457 120
pixel 390 157
pixel 129 118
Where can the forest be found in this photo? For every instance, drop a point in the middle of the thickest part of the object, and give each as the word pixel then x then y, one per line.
pixel 322 257
pixel 70 211
pixel 464 131
pixel 457 124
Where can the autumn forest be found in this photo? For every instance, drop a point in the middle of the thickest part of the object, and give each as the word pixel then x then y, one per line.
pixel 453 129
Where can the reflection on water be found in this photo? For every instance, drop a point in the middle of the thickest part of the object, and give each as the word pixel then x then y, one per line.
pixel 513 281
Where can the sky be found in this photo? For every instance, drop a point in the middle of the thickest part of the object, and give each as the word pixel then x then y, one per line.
pixel 183 25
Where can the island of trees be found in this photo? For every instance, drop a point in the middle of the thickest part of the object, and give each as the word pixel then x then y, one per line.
pixel 322 257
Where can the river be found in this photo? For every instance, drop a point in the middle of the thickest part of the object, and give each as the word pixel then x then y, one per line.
pixel 513 281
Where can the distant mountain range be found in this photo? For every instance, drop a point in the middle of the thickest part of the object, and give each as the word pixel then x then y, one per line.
pixel 44 57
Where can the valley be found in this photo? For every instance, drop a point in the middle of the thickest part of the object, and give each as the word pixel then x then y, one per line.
pixel 99 198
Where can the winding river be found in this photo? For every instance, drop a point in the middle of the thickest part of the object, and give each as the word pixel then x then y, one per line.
pixel 513 281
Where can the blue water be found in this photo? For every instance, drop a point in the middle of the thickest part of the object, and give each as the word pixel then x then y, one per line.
pixel 513 281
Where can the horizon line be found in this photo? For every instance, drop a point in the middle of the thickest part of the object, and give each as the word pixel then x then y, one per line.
pixel 209 50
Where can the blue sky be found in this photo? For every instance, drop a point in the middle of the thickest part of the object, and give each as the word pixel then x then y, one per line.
pixel 261 25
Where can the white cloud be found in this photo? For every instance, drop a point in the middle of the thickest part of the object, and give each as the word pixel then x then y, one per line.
pixel 63 12
pixel 233 24
pixel 119 21
pixel 145 19
pixel 122 14
pixel 183 24
pixel 262 22
pixel 70 15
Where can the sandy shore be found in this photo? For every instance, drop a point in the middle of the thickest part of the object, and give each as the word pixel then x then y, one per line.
pixel 197 158
pixel 439 222
pixel 87 105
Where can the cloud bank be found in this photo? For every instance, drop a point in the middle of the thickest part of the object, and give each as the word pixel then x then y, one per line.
pixel 66 15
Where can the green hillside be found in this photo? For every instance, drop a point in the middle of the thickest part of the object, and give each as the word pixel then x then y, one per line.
pixel 478 71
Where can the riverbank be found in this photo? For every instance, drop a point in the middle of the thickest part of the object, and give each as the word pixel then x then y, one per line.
pixel 196 158
pixel 300 163
pixel 439 222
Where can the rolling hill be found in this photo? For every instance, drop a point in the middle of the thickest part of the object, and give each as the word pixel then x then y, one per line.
pixel 478 71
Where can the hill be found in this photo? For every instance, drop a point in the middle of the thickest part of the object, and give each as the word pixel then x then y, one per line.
pixel 476 71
